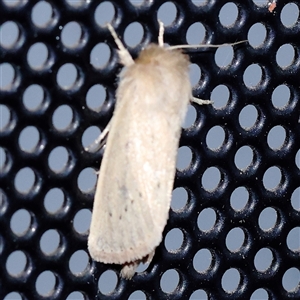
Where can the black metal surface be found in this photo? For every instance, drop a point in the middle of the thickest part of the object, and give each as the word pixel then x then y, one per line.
pixel 195 138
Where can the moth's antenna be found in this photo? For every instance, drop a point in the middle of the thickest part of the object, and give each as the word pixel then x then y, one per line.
pixel 125 56
pixel 161 33
pixel 205 46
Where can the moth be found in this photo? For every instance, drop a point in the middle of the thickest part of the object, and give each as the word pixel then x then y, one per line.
pixel 136 177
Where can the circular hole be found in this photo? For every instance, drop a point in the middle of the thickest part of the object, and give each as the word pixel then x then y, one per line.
pixel 289 15
pixel 79 262
pixel 295 200
pixel 137 295
pixel 137 3
pixel 10 34
pixel 260 294
pixel 8 77
pixel 267 219
pixel 71 35
pixel 184 158
pixel 167 13
pixel 281 96
pixel 68 77
pixel 248 117
pixel 82 221
pixel 1 245
pixel 59 159
pixel 174 239
pixel 77 296
pixel 276 137
pixel 239 198
pixel 291 280
pixel 29 139
pixel 100 56
pixel 42 14
pixel 257 35
pixel 5 161
pixel 230 280
pixel 224 56
pixel 95 97
pixel 190 117
pixel 104 13
pixel 211 178
pixel 45 284
pixel 215 138
pixel 228 14
pixel 89 136
pixel 142 267
pixel 272 178
pixel 206 219
pixel 20 222
pixel 3 205
pixel 24 180
pixel 263 259
pixel 252 76
pixel 87 180
pixel 37 56
pixel 78 3
pixel 261 3
pixel 195 34
pixel 13 296
pixel 202 260
pixel 5 117
pixel 169 281
pixel 285 56
pixel 34 97
pixel 107 282
pixel 199 295
pixel 297 159
pixel 293 239
pixel 13 3
pixel 62 117
pixel 243 158
pixel 235 239
pixel 16 263
pixel 54 200
pixel 179 199
pixel 49 242
pixel 220 96
pixel 195 74
pixel 133 34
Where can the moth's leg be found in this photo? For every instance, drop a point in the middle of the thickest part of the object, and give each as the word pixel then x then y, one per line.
pixel 200 101
pixel 124 55
pixel 148 258
pixel 100 141
pixel 161 33
pixel 128 269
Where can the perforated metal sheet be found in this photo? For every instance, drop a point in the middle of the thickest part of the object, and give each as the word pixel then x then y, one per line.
pixel 234 227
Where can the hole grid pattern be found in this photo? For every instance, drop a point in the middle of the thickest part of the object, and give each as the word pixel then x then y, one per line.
pixel 62 173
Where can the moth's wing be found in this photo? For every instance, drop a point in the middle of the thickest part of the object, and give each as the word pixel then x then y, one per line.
pixel 136 177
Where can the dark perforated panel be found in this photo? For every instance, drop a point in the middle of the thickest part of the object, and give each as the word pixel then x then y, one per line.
pixel 234 227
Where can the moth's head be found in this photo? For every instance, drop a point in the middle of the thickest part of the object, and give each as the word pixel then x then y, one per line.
pixel 150 54
pixel 157 55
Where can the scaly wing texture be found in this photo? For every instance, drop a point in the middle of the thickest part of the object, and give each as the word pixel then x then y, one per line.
pixel 135 183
